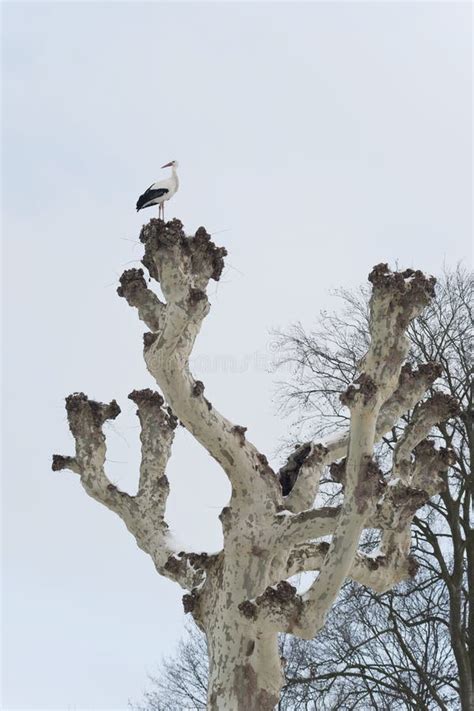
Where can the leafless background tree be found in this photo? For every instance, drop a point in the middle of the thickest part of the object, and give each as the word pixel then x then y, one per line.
pixel 408 648
pixel 182 679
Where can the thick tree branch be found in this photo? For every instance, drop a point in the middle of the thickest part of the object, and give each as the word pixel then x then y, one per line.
pixel 291 529
pixel 422 479
pixel 183 266
pixel 86 419
pixel 396 299
pixel 133 287
pixel 143 514
pixel 393 515
pixel 300 491
pixel 378 572
pixel 157 434
pixel 437 408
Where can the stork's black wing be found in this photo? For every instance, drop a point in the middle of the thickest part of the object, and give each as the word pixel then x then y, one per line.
pixel 146 200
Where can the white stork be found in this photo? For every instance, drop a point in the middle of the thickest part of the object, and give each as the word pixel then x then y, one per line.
pixel 158 193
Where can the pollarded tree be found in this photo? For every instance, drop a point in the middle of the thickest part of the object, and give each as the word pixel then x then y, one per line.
pixel 241 597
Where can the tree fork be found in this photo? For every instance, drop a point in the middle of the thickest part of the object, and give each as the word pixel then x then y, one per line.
pixel 241 596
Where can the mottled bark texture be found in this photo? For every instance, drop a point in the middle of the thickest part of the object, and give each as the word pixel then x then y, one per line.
pixel 241 597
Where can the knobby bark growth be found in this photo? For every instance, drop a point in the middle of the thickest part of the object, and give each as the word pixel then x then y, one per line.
pixel 241 597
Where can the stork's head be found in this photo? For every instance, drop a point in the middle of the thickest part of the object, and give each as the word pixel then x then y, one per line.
pixel 171 164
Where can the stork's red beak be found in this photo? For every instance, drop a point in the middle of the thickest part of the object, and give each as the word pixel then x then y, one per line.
pixel 167 165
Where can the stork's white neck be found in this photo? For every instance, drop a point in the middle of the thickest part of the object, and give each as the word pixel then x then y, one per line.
pixel 174 175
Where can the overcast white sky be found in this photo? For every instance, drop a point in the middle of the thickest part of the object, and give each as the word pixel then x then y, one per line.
pixel 323 138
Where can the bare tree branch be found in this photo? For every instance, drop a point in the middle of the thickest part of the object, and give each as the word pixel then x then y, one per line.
pixel 144 513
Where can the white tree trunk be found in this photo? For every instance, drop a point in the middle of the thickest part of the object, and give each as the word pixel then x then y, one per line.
pixel 241 596
pixel 244 665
